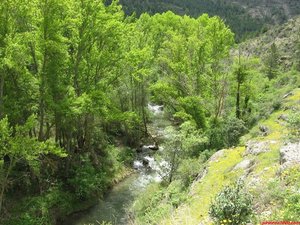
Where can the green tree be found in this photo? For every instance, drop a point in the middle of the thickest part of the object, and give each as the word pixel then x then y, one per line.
pixel 240 76
pixel 17 146
pixel 272 62
pixel 186 143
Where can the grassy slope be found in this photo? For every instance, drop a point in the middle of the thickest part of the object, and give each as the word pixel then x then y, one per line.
pixel 220 171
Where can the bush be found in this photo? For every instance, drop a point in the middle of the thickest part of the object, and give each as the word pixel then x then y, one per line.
pixel 294 126
pixel 226 133
pixel 188 170
pixel 291 211
pixel 42 209
pixel 157 201
pixel 87 181
pixel 232 206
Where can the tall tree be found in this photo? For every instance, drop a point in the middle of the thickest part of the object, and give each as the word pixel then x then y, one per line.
pixel 240 74
pixel 272 62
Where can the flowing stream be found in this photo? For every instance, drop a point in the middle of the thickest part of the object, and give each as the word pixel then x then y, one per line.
pixel 114 206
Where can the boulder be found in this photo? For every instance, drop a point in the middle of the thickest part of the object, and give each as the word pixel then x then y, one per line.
pixel 290 155
pixel 264 130
pixel 256 147
pixel 283 117
pixel 154 147
pixel 217 155
pixel 145 162
pixel 244 165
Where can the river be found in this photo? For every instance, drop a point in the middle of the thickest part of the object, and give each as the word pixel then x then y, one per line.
pixel 114 207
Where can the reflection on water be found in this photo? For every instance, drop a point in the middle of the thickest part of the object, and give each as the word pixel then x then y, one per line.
pixel 115 205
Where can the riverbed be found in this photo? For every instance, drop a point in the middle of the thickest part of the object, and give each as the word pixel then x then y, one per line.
pixel 114 208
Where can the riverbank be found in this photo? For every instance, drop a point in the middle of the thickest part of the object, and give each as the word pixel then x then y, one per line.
pixel 115 206
pixel 56 204
pixel 87 205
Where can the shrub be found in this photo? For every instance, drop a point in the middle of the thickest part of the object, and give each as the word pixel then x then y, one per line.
pixel 157 201
pixel 291 210
pixel 232 206
pixel 294 126
pixel 188 170
pixel 87 181
pixel 226 133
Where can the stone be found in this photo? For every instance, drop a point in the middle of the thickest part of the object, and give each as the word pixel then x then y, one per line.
pixel 289 155
pixel 217 155
pixel 145 162
pixel 244 165
pixel 264 130
pixel 283 117
pixel 288 95
pixel 154 147
pixel 256 147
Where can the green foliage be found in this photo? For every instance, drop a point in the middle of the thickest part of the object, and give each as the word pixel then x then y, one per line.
pixel 188 170
pixel 156 202
pixel 291 209
pixel 39 210
pixel 192 107
pixel 294 125
pixel 87 181
pixel 226 133
pixel 127 156
pixel 233 205
pixel 272 62
pixel 235 16
pixel 87 73
pixel 19 146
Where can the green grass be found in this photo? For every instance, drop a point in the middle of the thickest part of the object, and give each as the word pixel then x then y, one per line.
pixel 219 174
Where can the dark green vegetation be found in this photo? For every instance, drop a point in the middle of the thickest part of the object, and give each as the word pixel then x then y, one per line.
pixel 245 18
pixel 232 205
pixel 75 80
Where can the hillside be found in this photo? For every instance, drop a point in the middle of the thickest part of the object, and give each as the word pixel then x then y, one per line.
pixel 244 17
pixel 286 38
pixel 276 11
pixel 268 164
pixel 260 161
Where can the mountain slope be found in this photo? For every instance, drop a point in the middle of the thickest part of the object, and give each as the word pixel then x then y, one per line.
pixel 243 16
pixel 286 37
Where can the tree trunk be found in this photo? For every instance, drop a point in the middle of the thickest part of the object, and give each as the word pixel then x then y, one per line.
pixel 238 96
pixel 41 119
pixel 143 109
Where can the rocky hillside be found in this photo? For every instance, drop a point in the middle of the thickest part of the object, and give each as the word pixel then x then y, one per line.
pixel 276 11
pixel 267 160
pixel 243 16
pixel 286 37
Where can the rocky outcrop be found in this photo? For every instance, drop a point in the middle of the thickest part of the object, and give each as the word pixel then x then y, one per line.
pixel 246 164
pixel 290 155
pixel 283 117
pixel 256 147
pixel 215 157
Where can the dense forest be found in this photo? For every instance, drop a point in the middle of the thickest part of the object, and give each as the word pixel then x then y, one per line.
pixel 241 23
pixel 245 18
pixel 76 78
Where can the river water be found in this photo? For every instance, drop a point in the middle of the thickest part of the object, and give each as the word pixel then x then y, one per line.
pixel 114 207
